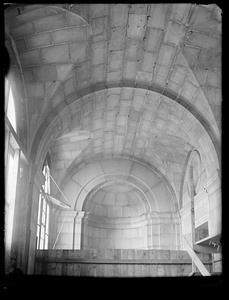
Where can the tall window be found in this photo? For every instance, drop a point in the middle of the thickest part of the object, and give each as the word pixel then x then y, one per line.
pixel 10 105
pixel 11 110
pixel 12 155
pixel 43 211
pixel 11 183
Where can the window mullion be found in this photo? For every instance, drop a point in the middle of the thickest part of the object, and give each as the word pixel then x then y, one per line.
pixel 45 221
pixel 40 221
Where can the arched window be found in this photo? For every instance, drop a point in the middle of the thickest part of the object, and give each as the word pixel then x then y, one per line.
pixel 11 114
pixel 43 211
pixel 12 158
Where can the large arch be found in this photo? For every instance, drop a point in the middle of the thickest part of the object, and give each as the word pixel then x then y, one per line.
pixel 150 189
pixel 51 116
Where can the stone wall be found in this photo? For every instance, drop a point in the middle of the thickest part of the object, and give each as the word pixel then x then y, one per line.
pixel 80 230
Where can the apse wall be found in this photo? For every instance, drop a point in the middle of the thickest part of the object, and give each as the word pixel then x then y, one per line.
pixel 115 219
pixel 118 204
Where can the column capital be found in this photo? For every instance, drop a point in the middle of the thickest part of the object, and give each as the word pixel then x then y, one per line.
pixel 80 214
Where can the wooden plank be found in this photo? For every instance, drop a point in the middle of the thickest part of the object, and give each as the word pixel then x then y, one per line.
pixel 83 270
pixel 111 261
pixel 130 270
pixel 196 259
pixel 167 269
pixel 124 270
pixel 146 270
pixel 76 269
pixel 161 271
pixel 70 269
pixel 99 271
pixel 176 271
pixel 51 269
pixel 64 270
pixel 115 270
pixel 58 269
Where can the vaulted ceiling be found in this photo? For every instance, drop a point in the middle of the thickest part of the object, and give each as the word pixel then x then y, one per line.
pixel 138 80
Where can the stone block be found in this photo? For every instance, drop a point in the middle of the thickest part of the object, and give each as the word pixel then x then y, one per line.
pixel 45 73
pixel 98 25
pixel 117 38
pixel 69 86
pixel 161 74
pixel 35 90
pixel 180 12
pixel 132 47
pixel 136 26
pixel 50 22
pixel 98 53
pixel 21 45
pixel 213 79
pixel 98 10
pixel 202 40
pixel 39 40
pixel 138 9
pixel 115 60
pixel 130 70
pixel 98 73
pixel 178 75
pixel 166 55
pixel 158 16
pixel 174 33
pixel 119 14
pixel 70 35
pixel 30 58
pixel 154 37
pixel 64 71
pixel 78 52
pixel 54 54
pixel 188 90
pixel 149 60
pixel 73 19
pixel 113 76
pixel 25 29
pixel 144 77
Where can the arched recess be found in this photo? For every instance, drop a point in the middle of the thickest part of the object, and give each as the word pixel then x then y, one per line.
pixel 116 217
pixel 158 221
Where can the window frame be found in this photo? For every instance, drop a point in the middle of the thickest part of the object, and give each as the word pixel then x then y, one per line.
pixel 42 235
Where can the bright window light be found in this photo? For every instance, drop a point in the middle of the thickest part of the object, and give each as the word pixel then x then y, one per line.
pixel 43 213
pixel 11 110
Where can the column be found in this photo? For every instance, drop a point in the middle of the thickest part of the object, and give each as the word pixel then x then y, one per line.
pixel 65 230
pixel 78 229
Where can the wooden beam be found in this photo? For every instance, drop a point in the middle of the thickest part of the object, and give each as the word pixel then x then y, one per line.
pixel 205 249
pixel 201 267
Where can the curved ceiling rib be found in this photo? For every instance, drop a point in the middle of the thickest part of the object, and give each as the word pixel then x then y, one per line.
pixel 155 88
